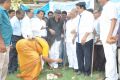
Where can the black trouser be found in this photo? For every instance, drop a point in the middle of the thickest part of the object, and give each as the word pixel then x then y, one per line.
pixel 84 56
pixel 13 62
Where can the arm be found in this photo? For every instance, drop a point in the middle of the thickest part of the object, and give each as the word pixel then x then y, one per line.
pixel 112 39
pixel 51 60
pixel 2 44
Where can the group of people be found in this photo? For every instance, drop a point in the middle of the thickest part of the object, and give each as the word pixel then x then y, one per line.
pixel 28 40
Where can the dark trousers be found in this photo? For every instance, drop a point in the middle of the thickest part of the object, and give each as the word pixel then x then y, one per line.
pixel 84 56
pixel 13 62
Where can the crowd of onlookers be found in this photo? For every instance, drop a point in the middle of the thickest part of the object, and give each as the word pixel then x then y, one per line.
pixel 74 37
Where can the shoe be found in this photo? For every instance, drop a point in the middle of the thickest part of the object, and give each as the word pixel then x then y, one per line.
pixel 75 70
pixel 87 74
pixel 78 73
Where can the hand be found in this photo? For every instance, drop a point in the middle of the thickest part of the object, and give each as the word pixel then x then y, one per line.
pixel 59 60
pixel 112 39
pixel 52 31
pixel 2 48
pixel 83 40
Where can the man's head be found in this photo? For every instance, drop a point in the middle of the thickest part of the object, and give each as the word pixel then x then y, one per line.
pixel 57 14
pixel 11 13
pixel 50 14
pixel 20 14
pixel 102 2
pixel 96 13
pixel 6 4
pixel 73 13
pixel 81 6
pixel 29 13
pixel 40 14
pixel 64 15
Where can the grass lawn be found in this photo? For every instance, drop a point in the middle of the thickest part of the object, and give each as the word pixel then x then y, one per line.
pixel 68 74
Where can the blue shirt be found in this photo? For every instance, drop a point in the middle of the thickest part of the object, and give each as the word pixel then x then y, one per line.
pixel 5 26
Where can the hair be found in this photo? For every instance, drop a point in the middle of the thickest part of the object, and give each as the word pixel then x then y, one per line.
pixel 64 12
pixel 19 11
pixel 40 11
pixel 2 1
pixel 50 12
pixel 81 5
pixel 10 11
pixel 90 10
pixel 29 10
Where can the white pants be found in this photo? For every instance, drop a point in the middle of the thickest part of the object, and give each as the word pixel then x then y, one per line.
pixel 54 53
pixel 111 64
pixel 4 60
pixel 119 61
pixel 71 53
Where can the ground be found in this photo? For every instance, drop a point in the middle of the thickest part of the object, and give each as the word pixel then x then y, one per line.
pixel 68 74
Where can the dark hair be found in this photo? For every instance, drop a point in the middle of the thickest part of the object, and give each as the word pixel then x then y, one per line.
pixel 50 12
pixel 40 11
pixel 90 10
pixel 10 11
pixel 29 10
pixel 81 5
pixel 19 11
pixel 2 1
pixel 64 12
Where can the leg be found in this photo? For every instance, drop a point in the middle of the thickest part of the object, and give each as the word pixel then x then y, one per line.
pixel 88 56
pixel 80 56
pixel 111 66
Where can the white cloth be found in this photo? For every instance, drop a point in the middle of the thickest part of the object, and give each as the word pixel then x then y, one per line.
pixel 26 28
pixel 16 26
pixel 71 53
pixel 4 60
pixel 86 25
pixel 70 26
pixel 109 12
pixel 97 26
pixel 54 53
pixel 37 26
pixel 111 64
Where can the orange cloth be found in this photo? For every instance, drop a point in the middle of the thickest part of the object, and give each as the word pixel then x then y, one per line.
pixel 29 57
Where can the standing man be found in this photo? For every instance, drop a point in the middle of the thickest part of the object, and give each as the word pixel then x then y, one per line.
pixel 84 38
pixel 17 35
pixel 55 29
pixel 11 13
pixel 27 24
pixel 5 37
pixel 108 31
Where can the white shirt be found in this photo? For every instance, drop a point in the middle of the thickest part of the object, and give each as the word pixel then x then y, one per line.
pixel 70 26
pixel 97 26
pixel 86 25
pixel 26 27
pixel 37 25
pixel 109 12
pixel 16 26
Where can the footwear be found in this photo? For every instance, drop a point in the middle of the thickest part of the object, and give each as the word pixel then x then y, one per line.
pixel 87 74
pixel 78 73
pixel 75 70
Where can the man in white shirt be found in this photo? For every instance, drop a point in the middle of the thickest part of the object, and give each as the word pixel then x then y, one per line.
pixel 71 48
pixel 17 35
pixel 84 41
pixel 39 25
pixel 108 31
pixel 27 25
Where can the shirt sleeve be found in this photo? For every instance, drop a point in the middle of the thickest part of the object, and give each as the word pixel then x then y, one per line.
pixel 0 19
pixel 112 10
pixel 90 23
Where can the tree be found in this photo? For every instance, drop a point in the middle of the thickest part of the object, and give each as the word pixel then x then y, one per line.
pixel 15 4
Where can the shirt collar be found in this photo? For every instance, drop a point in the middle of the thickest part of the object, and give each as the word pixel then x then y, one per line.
pixel 82 13
pixel 2 8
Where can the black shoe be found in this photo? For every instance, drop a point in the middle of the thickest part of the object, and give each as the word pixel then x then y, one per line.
pixel 78 73
pixel 87 74
pixel 75 70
